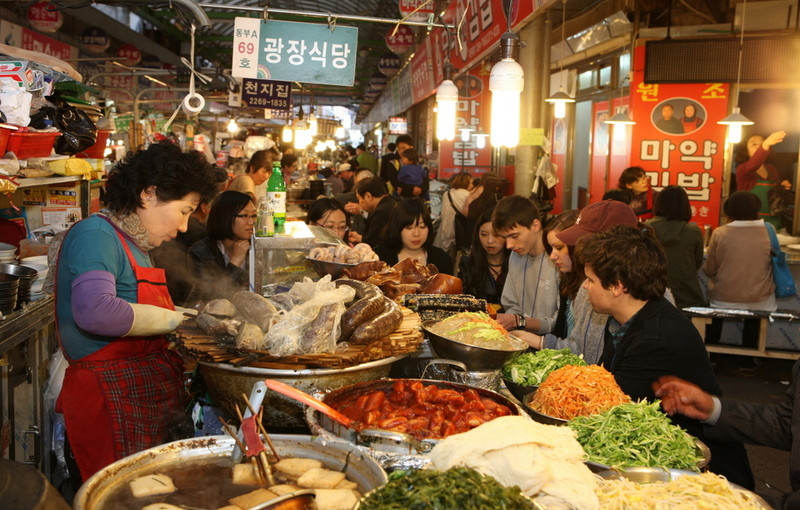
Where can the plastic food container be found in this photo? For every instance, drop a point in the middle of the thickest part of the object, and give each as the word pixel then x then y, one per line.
pixel 96 151
pixel 32 144
pixel 4 134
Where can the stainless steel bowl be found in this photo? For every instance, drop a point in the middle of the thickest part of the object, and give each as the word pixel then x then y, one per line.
pixel 518 390
pixel 536 415
pixel 8 281
pixel 474 357
pixel 22 272
pixel 654 474
pixel 332 268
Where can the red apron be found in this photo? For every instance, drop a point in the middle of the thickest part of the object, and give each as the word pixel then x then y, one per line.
pixel 117 401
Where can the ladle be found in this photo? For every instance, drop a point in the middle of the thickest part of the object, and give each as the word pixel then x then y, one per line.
pixel 305 398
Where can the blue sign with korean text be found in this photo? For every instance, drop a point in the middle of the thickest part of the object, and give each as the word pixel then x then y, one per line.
pixel 270 94
pixel 290 51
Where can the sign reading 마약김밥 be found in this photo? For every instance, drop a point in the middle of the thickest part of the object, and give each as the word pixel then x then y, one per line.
pixel 677 139
pixel 273 95
pixel 290 51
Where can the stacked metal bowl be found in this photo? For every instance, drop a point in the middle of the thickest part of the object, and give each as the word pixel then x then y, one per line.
pixel 7 253
pixel 9 285
pixel 25 276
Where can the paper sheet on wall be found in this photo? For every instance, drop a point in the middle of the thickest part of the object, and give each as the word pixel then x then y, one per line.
pixel 60 215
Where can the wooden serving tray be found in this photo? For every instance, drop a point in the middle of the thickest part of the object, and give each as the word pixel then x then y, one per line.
pixel 194 343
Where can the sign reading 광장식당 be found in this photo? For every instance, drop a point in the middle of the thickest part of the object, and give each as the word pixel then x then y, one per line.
pixel 290 51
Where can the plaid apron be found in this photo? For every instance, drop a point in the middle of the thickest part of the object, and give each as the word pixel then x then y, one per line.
pixel 115 400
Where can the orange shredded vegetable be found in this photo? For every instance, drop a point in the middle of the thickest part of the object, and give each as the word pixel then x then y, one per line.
pixel 574 391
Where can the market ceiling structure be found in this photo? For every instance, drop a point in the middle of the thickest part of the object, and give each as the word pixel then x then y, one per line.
pixel 214 42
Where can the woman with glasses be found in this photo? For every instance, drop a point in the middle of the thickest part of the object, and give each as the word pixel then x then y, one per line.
pixel 635 180
pixel 219 261
pixel 328 213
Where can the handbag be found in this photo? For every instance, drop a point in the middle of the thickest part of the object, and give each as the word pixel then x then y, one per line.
pixel 781 275
pixel 462 227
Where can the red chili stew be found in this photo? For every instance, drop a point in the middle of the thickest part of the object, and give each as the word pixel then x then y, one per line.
pixel 424 412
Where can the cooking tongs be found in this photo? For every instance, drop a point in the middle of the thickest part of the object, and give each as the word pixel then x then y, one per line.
pixel 248 441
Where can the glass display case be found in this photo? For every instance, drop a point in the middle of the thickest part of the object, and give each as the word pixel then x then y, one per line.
pixel 279 261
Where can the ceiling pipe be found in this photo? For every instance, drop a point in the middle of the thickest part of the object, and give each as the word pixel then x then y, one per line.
pixel 325 15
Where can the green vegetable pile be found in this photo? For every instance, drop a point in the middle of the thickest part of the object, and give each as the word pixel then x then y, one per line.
pixel 458 488
pixel 531 368
pixel 635 434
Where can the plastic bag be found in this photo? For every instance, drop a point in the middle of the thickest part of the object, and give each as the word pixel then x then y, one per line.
pixel 15 103
pixel 78 132
pixel 57 368
pixel 307 289
pixel 311 327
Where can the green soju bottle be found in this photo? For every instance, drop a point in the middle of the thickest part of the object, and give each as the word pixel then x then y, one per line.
pixel 276 195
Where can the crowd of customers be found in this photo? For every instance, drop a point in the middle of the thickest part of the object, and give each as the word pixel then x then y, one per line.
pixel 607 282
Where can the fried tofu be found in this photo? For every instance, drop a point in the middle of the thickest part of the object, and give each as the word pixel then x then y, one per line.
pixel 295 468
pixel 161 506
pixel 346 484
pixel 253 498
pixel 320 478
pixel 245 474
pixel 335 499
pixel 283 489
pixel 152 485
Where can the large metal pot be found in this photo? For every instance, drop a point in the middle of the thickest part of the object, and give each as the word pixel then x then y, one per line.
pixel 388 443
pixel 23 486
pixel 227 383
pixel 358 466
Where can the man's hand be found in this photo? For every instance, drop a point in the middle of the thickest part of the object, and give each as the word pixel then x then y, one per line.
pixel 683 397
pixel 532 339
pixel 355 237
pixel 417 191
pixel 507 320
pixel 352 208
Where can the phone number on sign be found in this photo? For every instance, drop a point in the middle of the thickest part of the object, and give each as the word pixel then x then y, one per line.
pixel 267 102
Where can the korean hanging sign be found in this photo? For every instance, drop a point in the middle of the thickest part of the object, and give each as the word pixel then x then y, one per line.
pixel 269 94
pixel 290 51
pixel 677 140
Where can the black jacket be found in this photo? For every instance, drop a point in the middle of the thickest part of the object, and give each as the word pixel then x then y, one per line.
pixel 213 277
pixel 662 341
pixel 776 425
pixel 376 220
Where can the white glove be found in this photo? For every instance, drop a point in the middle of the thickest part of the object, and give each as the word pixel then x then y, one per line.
pixel 149 320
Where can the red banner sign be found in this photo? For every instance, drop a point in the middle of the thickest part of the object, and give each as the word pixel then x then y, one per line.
pixel 35 41
pixel 474 101
pixel 677 140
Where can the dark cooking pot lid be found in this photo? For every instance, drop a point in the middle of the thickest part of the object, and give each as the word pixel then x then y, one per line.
pixel 23 487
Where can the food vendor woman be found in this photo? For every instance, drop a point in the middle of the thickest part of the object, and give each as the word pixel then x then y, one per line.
pixel 113 308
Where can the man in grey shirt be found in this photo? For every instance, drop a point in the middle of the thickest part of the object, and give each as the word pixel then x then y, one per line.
pixel 530 295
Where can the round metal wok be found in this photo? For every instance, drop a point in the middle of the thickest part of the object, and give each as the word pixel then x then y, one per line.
pixel 474 357
pixel 386 440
